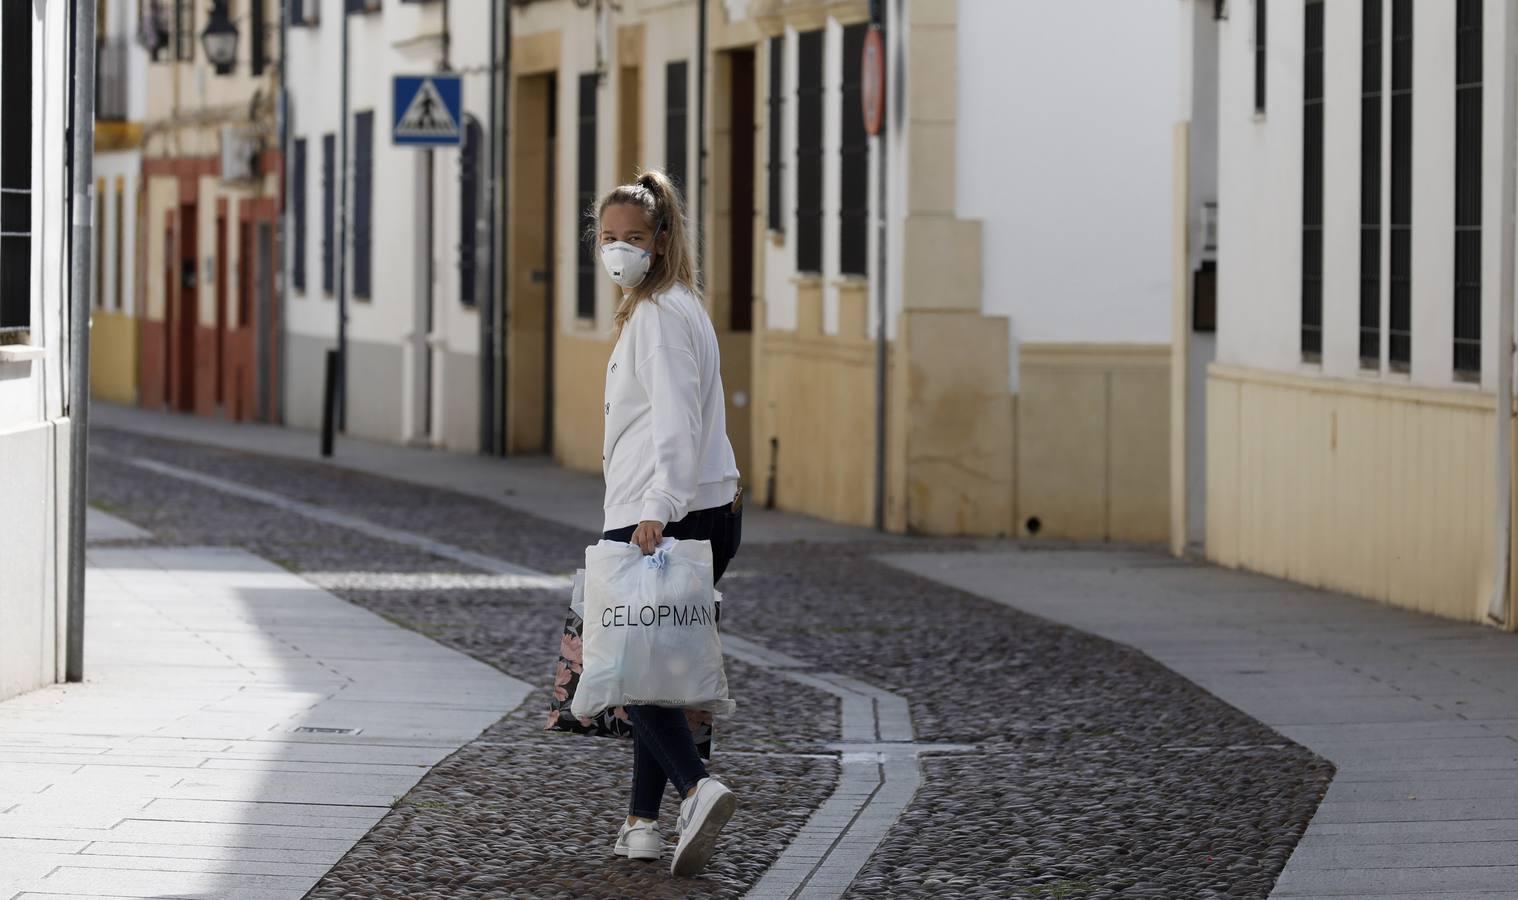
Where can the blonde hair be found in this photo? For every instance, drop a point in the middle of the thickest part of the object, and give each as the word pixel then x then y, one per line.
pixel 662 208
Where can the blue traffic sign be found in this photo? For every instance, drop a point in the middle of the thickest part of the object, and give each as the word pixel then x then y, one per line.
pixel 428 111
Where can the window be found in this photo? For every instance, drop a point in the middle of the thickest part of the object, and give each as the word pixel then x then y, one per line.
pixel 1399 332
pixel 298 216
pixel 809 114
pixel 329 211
pixel 585 196
pixel 776 162
pixel 184 30
pixel 1259 56
pixel 629 124
pixel 676 121
pixel 1371 97
pixel 1468 186
pixel 854 154
pixel 258 24
pixel 1312 184
pixel 363 202
pixel 15 166
pixel 469 209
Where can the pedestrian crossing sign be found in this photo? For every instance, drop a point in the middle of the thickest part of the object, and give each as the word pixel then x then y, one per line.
pixel 428 110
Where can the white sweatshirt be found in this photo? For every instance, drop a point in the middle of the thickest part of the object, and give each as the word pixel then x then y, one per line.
pixel 666 452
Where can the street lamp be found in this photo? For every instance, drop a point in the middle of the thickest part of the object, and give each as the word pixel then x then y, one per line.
pixel 220 39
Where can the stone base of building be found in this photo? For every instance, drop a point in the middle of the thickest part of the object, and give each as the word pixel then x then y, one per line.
pixel 34 465
pixel 1377 490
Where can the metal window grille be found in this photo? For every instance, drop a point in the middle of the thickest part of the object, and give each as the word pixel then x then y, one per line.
pixel 184 30
pixel 676 121
pixel 1399 332
pixel 776 173
pixel 470 182
pixel 298 215
pixel 15 166
pixel 1259 55
pixel 809 122
pixel 363 203
pixel 1468 185
pixel 585 196
pixel 1312 184
pixel 854 154
pixel 329 212
pixel 1372 94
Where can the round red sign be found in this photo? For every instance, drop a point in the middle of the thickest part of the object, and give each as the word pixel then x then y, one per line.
pixel 872 82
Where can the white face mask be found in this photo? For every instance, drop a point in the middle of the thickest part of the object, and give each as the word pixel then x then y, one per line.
pixel 626 264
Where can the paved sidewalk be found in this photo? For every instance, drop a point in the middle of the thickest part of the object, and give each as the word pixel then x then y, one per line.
pixel 179 767
pixel 1420 715
pixel 530 484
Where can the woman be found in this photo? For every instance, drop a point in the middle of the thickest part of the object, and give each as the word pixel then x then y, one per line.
pixel 670 472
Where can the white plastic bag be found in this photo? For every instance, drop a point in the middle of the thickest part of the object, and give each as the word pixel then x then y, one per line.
pixel 650 635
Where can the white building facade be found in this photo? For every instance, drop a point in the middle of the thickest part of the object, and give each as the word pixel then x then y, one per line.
pixel 34 344
pixel 1344 433
pixel 413 336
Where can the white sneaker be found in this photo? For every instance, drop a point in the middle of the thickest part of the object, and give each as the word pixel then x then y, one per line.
pixel 640 841
pixel 702 816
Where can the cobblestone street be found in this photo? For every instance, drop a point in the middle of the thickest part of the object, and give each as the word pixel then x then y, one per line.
pixel 1052 763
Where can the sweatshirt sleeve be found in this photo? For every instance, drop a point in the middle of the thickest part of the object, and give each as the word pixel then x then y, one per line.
pixel 671 379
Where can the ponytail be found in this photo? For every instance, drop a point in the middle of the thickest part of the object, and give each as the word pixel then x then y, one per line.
pixel 664 211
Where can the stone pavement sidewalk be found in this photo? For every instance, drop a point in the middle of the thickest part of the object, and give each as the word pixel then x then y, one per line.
pixel 1419 714
pixel 529 484
pixel 237 732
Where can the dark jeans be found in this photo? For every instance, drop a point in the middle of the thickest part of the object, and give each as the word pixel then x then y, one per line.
pixel 663 749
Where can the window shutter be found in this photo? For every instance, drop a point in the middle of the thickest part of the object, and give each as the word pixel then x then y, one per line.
pixel 676 121
pixel 1372 97
pixel 1468 188
pixel 809 121
pixel 776 160
pixel 585 197
pixel 1399 332
pixel 298 216
pixel 257 36
pixel 469 209
pixel 15 166
pixel 854 154
pixel 1312 184
pixel 329 211
pixel 363 201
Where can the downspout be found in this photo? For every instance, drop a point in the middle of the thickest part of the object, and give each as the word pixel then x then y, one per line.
pixel 882 298
pixel 276 399
pixel 341 258
pixel 1498 611
pixel 82 162
pixel 487 303
pixel 502 171
pixel 701 138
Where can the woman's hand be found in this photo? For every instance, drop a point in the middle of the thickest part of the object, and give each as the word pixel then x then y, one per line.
pixel 647 536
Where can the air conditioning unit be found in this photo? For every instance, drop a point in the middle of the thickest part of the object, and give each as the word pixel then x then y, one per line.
pixel 239 153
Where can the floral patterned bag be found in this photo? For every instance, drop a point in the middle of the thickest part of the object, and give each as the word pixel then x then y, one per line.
pixel 611 722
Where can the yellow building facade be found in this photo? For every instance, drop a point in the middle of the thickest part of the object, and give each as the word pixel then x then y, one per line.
pixel 988 430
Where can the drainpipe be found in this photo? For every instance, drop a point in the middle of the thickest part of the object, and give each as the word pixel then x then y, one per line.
pixel 82 207
pixel 341 258
pixel 276 399
pixel 487 303
pixel 882 299
pixel 701 138
pixel 1498 611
